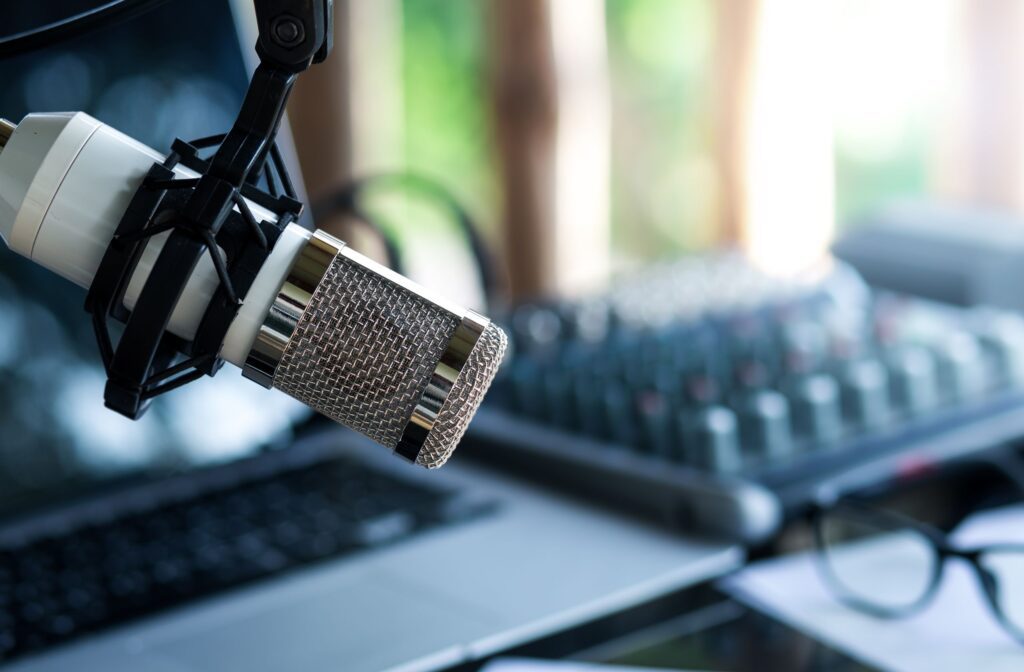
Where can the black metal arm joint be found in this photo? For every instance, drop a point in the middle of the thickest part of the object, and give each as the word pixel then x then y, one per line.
pixel 294 33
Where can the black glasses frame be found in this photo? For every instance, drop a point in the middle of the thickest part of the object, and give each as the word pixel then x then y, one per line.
pixel 940 543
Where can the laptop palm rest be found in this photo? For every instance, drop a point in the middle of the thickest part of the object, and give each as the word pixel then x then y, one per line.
pixel 324 630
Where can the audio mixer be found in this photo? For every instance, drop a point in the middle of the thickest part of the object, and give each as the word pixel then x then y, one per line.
pixel 724 400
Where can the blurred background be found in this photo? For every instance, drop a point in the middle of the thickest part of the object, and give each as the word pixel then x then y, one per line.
pixel 589 135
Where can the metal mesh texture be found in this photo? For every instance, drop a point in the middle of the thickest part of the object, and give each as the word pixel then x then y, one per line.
pixel 464 398
pixel 364 350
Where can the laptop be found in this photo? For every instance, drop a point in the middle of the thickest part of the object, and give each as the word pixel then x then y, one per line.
pixel 228 529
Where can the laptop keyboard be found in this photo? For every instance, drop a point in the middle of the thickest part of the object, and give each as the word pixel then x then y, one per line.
pixel 58 588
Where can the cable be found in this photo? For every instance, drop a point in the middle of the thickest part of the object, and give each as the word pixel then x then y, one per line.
pixel 75 26
pixel 345 200
pixel 348 199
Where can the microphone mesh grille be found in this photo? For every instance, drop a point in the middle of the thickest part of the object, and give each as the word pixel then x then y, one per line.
pixel 464 398
pixel 364 350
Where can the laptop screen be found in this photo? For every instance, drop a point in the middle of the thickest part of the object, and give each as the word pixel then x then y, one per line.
pixel 175 72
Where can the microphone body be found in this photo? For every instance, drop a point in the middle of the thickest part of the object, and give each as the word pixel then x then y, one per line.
pixel 324 324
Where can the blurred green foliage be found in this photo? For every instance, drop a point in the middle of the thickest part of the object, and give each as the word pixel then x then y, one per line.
pixel 664 185
pixel 446 115
pixel 446 135
pixel 663 181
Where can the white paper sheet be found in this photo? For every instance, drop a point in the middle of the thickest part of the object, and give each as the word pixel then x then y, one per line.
pixel 956 633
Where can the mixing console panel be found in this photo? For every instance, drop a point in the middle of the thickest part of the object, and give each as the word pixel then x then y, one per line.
pixel 723 399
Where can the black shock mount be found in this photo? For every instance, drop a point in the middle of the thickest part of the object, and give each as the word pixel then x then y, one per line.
pixel 202 204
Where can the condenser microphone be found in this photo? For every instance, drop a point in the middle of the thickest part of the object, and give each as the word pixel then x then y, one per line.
pixel 324 324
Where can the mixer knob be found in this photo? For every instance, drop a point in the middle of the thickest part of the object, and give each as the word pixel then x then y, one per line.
pixel 962 366
pixel 619 416
pixel 712 440
pixel 536 328
pixel 817 411
pixel 655 411
pixel 588 405
pixel 558 399
pixel 1003 338
pixel 765 425
pixel 865 393
pixel 913 380
pixel 588 321
pixel 527 389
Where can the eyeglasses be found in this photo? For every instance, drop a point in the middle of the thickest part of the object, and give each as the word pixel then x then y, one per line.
pixel 891 566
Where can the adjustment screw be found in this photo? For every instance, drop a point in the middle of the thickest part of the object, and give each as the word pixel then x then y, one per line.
pixel 287 31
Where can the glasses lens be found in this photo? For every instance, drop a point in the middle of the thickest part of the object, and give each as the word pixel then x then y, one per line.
pixel 1007 568
pixel 874 561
